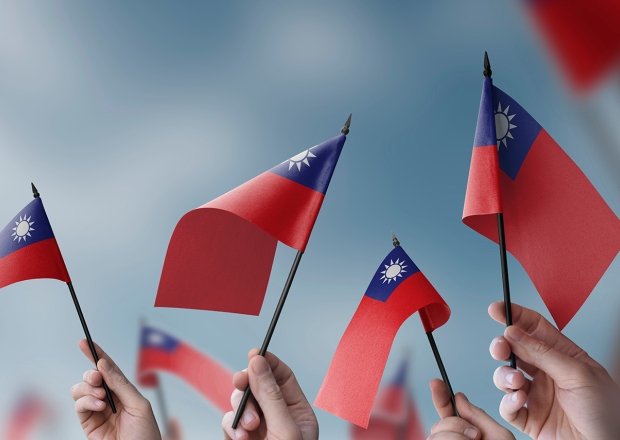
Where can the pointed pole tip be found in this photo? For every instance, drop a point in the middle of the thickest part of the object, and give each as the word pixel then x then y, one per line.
pixel 487 72
pixel 35 192
pixel 347 125
pixel 395 241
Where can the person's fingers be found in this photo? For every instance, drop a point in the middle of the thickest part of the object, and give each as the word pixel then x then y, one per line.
pixel 536 325
pixel 560 367
pixel 488 427
pixel 508 380
pixel 86 404
pixel 457 425
pixel 441 398
pixel 447 436
pixel 270 398
pixel 120 385
pixel 512 409
pixel 500 351
pixel 240 380
pixel 250 419
pixel 93 378
pixel 229 432
pixel 83 389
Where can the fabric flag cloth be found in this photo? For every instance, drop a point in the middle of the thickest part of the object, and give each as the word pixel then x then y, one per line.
pixel 556 224
pixel 394 415
pixel 583 36
pixel 28 413
pixel 161 352
pixel 201 269
pixel 28 249
pixel 397 291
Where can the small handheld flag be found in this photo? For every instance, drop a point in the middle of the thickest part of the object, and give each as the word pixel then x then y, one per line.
pixel 556 224
pixel 397 290
pixel 160 351
pixel 394 415
pixel 28 250
pixel 281 204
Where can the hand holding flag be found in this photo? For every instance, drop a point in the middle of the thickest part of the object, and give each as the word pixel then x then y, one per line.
pixel 28 250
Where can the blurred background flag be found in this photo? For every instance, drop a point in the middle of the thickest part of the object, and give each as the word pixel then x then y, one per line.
pixel 397 290
pixel 160 351
pixel 28 248
pixel 557 225
pixel 394 415
pixel 582 35
pixel 29 412
pixel 281 204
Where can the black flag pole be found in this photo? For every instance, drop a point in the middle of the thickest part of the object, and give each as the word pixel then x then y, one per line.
pixel 89 339
pixel 431 340
pixel 276 315
pixel 159 391
pixel 502 243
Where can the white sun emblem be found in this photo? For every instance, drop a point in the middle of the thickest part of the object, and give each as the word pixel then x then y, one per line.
pixel 503 125
pixel 156 338
pixel 393 270
pixel 301 158
pixel 22 228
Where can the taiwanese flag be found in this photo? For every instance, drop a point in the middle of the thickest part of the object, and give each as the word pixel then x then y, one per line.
pixel 28 249
pixel 281 204
pixel 583 35
pixel 29 412
pixel 394 416
pixel 396 292
pixel 162 352
pixel 557 225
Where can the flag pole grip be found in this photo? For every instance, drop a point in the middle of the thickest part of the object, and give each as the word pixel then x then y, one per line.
pixel 91 344
pixel 442 370
pixel 506 285
pixel 247 393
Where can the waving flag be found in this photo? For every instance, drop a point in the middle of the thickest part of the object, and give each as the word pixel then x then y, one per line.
pixel 394 415
pixel 29 412
pixel 282 204
pixel 583 35
pixel 557 224
pixel 28 249
pixel 397 291
pixel 162 352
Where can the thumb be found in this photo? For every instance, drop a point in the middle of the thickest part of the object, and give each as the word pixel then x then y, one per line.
pixel 562 368
pixel 269 396
pixel 126 393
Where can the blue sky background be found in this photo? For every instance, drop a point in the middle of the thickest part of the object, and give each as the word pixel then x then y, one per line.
pixel 127 114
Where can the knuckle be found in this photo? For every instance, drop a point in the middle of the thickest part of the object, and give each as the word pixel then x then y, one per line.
pixel 272 391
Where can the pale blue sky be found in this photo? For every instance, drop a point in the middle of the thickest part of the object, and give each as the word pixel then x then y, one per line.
pixel 128 114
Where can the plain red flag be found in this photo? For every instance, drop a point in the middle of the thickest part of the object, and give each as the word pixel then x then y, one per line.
pixel 161 352
pixel 396 292
pixel 220 254
pixel 557 225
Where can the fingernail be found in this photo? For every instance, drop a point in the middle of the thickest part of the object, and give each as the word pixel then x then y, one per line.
pixel 260 365
pixel 510 378
pixel 248 416
pixel 514 333
pixel 513 397
pixel 239 434
pixel 471 433
pixel 99 404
